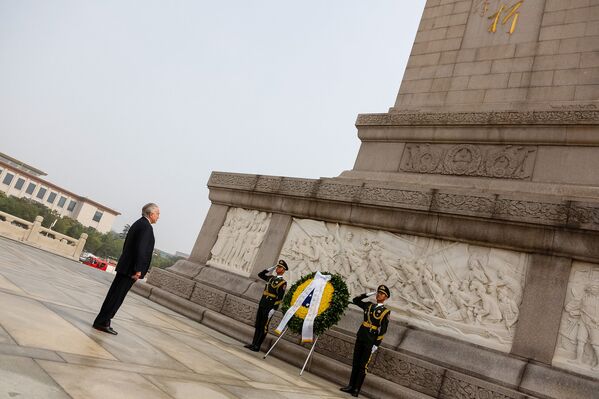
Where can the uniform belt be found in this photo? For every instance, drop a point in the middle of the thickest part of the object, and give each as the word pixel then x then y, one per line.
pixel 266 293
pixel 369 326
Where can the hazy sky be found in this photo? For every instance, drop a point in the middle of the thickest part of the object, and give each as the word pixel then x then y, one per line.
pixel 128 102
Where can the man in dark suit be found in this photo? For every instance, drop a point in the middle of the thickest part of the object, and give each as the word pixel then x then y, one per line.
pixel 369 336
pixel 132 265
pixel 271 298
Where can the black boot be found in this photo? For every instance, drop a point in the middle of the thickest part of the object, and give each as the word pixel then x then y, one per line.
pixel 356 391
pixel 352 381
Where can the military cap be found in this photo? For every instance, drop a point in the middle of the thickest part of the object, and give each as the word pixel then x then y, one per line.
pixel 283 264
pixel 384 289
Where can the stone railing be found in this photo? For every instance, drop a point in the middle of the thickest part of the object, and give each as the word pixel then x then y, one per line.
pixel 35 235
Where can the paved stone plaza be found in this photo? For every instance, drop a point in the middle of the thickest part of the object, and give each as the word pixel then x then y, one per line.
pixel 48 348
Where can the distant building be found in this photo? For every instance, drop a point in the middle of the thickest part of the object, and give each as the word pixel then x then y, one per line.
pixel 21 180
pixel 181 255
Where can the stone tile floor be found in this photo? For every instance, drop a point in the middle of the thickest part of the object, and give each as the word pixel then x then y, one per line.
pixel 48 348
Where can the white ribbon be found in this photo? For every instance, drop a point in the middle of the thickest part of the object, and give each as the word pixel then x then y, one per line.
pixel 317 287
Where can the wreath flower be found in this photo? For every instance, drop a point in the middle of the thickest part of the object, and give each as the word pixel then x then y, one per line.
pixel 335 300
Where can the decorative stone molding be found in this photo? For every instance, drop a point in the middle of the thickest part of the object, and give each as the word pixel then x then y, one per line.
pixel 268 184
pixel 337 346
pixel 586 215
pixel 171 282
pixel 507 162
pixel 564 213
pixel 240 309
pixel 466 203
pixel 299 187
pixel 413 199
pixel 555 117
pixel 338 191
pixel 233 180
pixel 410 372
pixel 527 210
pixel 459 386
pixel 208 297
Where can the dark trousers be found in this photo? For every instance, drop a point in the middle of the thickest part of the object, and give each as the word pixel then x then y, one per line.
pixel 114 299
pixel 261 325
pixel 362 353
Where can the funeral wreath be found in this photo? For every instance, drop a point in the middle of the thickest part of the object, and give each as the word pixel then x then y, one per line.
pixel 335 299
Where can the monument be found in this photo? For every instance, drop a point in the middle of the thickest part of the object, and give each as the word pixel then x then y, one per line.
pixel 475 198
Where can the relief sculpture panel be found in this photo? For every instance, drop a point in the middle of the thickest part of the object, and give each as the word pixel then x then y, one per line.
pixel 511 161
pixel 239 240
pixel 578 344
pixel 469 292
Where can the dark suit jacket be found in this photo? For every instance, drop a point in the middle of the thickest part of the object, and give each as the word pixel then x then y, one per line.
pixel 137 249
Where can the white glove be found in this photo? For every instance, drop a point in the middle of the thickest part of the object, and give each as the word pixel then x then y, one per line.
pixel 371 293
pixel 270 269
pixel 374 348
pixel 272 311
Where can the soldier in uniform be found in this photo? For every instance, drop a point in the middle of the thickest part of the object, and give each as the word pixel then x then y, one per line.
pixel 369 336
pixel 271 298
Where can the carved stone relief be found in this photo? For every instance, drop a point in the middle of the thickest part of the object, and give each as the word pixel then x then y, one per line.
pixel 407 371
pixel 578 343
pixel 456 388
pixel 570 213
pixel 469 292
pixel 417 199
pixel 512 162
pixel 208 297
pixel 559 117
pixel 238 240
pixel 233 180
pixel 240 309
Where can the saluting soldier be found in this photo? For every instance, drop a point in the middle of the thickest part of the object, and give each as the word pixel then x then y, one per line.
pixel 369 336
pixel 271 298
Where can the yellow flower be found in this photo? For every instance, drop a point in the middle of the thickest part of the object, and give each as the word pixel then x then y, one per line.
pixel 325 302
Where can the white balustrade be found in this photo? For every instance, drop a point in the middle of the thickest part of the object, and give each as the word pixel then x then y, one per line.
pixel 36 235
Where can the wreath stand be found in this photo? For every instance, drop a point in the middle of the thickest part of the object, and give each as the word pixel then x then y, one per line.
pixel 307 358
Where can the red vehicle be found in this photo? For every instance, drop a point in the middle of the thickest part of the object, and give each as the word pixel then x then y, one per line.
pixel 96 262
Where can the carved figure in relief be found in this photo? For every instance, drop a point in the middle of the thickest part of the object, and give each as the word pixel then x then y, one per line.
pixel 434 298
pixel 462 304
pixel 346 255
pixel 239 239
pixel 223 237
pixel 586 310
pixel 462 288
pixel 415 281
pixel 358 279
pixel 377 261
pixel 508 285
pixel 509 309
pixel 489 308
pixel 393 276
pixel 476 271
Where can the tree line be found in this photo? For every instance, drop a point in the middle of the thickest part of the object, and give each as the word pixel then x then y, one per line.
pixel 104 245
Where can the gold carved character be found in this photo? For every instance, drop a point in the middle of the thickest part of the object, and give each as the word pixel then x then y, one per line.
pixel 510 13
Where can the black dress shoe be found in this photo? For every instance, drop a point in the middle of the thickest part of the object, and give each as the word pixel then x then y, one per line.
pixel 248 346
pixel 255 348
pixel 355 393
pixel 106 329
pixel 348 388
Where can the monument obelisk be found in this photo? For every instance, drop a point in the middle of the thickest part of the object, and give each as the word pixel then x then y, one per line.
pixel 475 198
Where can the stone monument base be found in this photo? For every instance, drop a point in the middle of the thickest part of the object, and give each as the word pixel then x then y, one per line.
pixel 412 363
